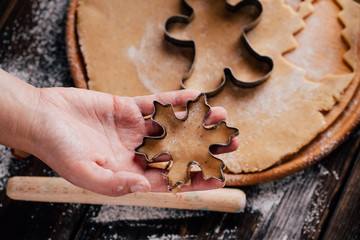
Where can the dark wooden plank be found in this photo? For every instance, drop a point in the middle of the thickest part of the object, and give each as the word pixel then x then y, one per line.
pixel 334 175
pixel 297 207
pixel 28 220
pixel 176 224
pixel 344 223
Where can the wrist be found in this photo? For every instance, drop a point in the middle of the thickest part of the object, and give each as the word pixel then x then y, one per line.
pixel 19 104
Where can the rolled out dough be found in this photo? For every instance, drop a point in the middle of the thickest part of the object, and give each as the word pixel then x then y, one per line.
pixel 126 54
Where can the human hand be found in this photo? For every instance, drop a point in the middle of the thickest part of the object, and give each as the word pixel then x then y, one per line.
pixel 89 138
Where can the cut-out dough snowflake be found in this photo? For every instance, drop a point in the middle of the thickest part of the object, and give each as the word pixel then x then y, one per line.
pixel 187 141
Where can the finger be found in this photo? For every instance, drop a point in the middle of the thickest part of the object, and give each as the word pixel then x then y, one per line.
pixel 198 183
pixel 103 181
pixel 216 115
pixel 152 128
pixel 158 182
pixel 176 98
pixel 234 143
pixel 155 129
pixel 163 157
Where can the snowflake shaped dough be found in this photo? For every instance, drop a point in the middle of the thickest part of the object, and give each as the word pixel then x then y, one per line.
pixel 187 141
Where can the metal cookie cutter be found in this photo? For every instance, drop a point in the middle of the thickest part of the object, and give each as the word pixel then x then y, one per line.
pixel 203 155
pixel 227 72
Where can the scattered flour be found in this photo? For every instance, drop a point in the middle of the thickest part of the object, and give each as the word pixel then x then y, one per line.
pixel 323 170
pixel 5 159
pixel 151 72
pixel 317 207
pixel 336 175
pixel 42 61
pixel 111 213
pixel 267 197
pixel 170 237
pixel 226 234
pixel 264 197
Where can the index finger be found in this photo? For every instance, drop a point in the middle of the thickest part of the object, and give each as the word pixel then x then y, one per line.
pixel 176 98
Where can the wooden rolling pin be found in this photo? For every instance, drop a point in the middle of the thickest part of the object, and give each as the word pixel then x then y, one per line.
pixel 53 189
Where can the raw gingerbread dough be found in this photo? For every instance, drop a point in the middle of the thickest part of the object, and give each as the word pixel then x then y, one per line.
pixel 187 141
pixel 124 47
pixel 275 119
pixel 285 113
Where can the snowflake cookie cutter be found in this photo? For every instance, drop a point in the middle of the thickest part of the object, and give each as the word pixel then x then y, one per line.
pixel 227 71
pixel 216 172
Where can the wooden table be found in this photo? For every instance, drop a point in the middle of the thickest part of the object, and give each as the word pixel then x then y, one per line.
pixel 321 202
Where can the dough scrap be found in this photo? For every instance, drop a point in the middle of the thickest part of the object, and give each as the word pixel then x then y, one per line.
pixel 187 141
pixel 285 113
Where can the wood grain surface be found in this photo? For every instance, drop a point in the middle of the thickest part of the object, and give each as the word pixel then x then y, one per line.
pixel 320 202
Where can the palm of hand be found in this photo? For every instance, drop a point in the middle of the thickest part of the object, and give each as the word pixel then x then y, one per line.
pixel 89 139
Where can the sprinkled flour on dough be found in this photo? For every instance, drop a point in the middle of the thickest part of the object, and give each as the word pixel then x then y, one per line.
pixel 151 75
pixel 141 60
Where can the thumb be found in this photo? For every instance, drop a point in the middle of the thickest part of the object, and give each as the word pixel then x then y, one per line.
pixel 103 181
